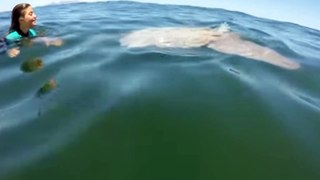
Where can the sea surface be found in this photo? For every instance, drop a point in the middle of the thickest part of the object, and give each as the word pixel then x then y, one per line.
pixel 158 113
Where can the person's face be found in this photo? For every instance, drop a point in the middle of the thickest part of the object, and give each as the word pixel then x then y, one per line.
pixel 29 19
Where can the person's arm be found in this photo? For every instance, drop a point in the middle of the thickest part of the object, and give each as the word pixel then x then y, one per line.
pixel 11 50
pixel 10 41
pixel 48 41
pixel 3 46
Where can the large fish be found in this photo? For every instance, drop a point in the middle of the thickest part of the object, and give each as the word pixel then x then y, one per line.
pixel 219 39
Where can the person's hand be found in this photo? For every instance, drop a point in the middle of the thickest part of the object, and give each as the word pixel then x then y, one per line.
pixel 56 42
pixel 13 52
pixel 48 41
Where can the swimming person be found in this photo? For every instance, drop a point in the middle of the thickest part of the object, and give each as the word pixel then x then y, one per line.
pixel 21 31
pixel 220 39
pixel 23 19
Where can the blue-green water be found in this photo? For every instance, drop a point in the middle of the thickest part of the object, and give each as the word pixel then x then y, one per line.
pixel 154 113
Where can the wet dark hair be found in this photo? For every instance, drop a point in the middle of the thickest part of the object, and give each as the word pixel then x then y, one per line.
pixel 17 12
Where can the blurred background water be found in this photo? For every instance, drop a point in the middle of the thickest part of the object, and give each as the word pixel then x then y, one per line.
pixel 152 113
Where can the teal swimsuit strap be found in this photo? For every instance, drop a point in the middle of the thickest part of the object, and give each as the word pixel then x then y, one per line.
pixel 32 33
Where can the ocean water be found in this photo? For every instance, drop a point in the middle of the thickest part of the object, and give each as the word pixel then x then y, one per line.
pixel 154 113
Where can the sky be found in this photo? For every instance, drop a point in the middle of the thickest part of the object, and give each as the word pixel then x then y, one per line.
pixel 302 12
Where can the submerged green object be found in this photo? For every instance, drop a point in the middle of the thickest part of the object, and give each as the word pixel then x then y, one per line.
pixel 31 65
pixel 47 87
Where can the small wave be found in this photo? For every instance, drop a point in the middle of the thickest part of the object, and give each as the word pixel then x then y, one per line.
pixel 309 100
pixel 223 28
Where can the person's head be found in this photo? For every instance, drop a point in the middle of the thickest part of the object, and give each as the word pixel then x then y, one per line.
pixel 22 15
